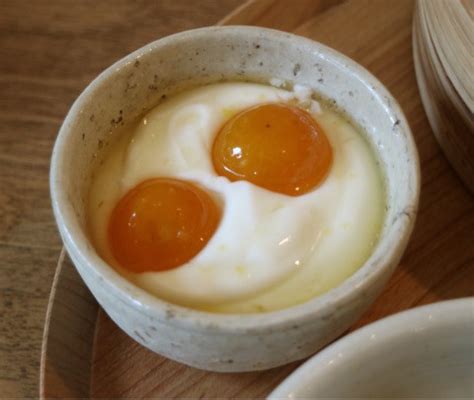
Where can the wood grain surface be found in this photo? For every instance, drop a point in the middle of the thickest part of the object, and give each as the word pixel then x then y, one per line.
pixel 439 261
pixel 450 114
pixel 49 51
pixel 68 337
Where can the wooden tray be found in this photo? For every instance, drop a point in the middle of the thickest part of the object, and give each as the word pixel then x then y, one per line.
pixel 86 355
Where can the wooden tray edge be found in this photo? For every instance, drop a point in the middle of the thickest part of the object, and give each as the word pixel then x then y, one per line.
pixel 67 373
pixel 45 339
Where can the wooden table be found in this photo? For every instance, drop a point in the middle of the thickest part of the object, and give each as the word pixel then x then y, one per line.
pixel 49 51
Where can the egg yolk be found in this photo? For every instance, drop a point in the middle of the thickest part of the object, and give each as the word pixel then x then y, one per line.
pixel 275 146
pixel 161 224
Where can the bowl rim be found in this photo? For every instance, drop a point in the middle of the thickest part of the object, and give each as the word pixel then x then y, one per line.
pixel 179 316
pixel 402 325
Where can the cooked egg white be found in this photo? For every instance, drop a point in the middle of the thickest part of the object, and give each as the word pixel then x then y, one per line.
pixel 270 251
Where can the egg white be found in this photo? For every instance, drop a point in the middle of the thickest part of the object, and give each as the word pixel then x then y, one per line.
pixel 270 251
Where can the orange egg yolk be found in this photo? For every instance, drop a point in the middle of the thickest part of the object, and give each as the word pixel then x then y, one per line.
pixel 161 224
pixel 275 146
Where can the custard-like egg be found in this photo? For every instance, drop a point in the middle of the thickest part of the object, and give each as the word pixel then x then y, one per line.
pixel 269 245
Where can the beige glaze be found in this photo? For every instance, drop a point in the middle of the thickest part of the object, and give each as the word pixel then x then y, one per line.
pixel 134 85
pixel 410 355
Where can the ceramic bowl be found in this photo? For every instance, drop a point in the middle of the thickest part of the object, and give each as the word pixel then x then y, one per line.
pixel 135 84
pixel 426 352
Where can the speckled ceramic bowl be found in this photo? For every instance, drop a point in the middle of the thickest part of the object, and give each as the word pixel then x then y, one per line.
pixel 136 83
pixel 424 353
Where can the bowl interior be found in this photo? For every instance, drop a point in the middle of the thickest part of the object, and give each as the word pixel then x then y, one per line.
pixel 427 352
pixel 139 81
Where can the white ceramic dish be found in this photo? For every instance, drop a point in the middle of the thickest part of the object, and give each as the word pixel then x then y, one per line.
pixel 136 83
pixel 427 352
